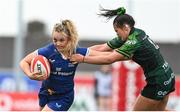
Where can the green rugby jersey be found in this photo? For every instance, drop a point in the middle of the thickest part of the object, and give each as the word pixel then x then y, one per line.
pixel 141 49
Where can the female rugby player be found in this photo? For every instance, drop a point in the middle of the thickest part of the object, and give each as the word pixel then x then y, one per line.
pixel 57 92
pixel 134 44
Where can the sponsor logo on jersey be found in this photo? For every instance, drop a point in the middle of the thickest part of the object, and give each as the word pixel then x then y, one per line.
pixel 162 93
pixel 52 60
pixel 170 79
pixel 65 73
pixel 70 65
pixel 58 69
pixel 131 42
pixel 58 105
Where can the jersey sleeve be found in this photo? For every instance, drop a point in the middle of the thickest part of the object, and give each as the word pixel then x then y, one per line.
pixel 46 50
pixel 128 48
pixel 82 50
pixel 115 43
pixel 42 51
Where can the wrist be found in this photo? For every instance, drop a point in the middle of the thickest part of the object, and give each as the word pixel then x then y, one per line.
pixel 83 59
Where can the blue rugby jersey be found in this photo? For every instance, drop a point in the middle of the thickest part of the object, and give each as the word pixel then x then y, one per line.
pixel 61 78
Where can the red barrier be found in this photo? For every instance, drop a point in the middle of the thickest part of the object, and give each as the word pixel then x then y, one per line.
pixel 28 101
pixel 128 81
pixel 18 101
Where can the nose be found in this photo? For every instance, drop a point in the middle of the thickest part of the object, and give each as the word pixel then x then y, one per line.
pixel 58 43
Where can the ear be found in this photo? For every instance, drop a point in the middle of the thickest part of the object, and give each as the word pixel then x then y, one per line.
pixel 126 27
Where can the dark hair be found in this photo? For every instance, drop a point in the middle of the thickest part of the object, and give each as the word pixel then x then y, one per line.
pixel 120 19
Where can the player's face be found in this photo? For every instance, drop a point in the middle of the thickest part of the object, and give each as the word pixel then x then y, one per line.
pixel 123 33
pixel 59 40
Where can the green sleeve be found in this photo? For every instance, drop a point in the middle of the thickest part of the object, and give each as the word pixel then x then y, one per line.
pixel 128 48
pixel 115 43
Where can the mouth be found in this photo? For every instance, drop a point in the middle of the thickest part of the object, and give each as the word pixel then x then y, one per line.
pixel 59 48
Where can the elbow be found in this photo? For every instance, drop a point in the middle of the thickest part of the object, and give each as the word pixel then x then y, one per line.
pixel 21 64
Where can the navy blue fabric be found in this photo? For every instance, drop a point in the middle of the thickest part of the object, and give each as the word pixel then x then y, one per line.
pixel 61 80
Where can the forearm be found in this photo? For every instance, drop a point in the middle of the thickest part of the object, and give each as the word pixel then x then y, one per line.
pixel 101 47
pixel 25 67
pixel 99 60
pixel 97 53
pixel 104 59
pixel 96 47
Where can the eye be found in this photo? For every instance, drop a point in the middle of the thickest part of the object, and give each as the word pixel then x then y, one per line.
pixel 55 40
pixel 62 39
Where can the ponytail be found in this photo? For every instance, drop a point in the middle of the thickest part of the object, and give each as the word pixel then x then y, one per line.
pixel 121 11
pixel 120 15
pixel 111 13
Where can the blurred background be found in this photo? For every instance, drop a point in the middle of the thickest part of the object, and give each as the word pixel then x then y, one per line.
pixel 27 24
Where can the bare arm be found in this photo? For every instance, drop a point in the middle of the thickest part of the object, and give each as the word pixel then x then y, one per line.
pixel 25 66
pixel 25 63
pixel 94 52
pixel 99 59
pixel 101 47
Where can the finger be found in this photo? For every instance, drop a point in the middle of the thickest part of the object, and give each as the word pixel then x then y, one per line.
pixel 39 75
pixel 69 57
pixel 36 72
pixel 74 62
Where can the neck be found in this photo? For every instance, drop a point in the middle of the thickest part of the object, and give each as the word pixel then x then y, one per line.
pixel 131 31
pixel 65 55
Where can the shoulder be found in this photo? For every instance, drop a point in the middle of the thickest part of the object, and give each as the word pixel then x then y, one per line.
pixel 47 50
pixel 140 33
pixel 82 50
pixel 115 39
pixel 139 30
pixel 116 42
pixel 137 35
pixel 48 47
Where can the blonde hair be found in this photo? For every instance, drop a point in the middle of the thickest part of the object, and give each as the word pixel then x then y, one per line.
pixel 68 29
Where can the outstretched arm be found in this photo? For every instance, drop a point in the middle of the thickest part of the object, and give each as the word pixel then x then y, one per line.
pixel 99 59
pixel 95 52
pixel 101 47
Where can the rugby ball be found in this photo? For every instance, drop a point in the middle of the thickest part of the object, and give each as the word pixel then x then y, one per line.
pixel 41 64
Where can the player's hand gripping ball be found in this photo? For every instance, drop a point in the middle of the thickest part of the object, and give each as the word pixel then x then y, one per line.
pixel 40 67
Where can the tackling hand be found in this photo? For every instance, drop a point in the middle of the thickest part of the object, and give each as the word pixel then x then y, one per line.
pixel 77 58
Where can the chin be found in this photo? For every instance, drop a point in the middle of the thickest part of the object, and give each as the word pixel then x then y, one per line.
pixel 60 50
pixel 124 39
